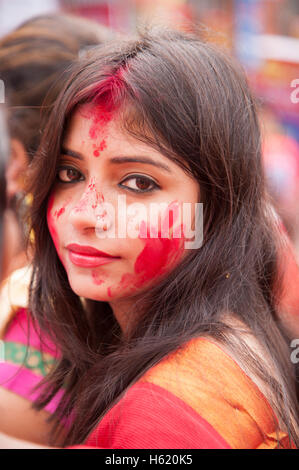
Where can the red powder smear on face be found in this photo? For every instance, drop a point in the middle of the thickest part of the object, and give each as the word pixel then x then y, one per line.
pixel 92 198
pixel 109 292
pixel 99 115
pixel 157 257
pixel 51 225
pixel 101 109
pixel 96 280
pixel 57 214
pixel 99 148
pixel 100 119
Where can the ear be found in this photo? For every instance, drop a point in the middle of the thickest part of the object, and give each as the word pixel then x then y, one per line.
pixel 16 168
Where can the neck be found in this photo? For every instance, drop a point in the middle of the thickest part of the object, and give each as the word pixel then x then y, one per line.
pixel 123 312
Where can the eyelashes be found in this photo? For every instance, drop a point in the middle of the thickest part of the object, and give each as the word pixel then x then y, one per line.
pixel 65 172
pixel 147 184
pixel 137 183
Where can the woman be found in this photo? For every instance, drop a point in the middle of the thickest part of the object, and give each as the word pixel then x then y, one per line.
pixel 164 342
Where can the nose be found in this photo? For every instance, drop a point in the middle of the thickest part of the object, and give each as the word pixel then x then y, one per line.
pixel 89 211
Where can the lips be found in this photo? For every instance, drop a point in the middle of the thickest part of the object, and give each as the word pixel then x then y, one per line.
pixel 88 257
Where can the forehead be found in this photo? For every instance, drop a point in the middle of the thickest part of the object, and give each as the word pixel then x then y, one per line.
pixel 92 127
pixel 89 125
pixel 87 115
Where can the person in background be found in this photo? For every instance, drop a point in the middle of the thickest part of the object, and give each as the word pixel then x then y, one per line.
pixel 34 65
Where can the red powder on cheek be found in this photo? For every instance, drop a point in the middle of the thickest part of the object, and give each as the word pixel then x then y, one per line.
pixel 158 256
pixel 59 213
pixel 51 223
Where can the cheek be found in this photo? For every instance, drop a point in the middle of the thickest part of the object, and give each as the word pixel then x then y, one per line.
pixel 159 255
pixel 51 219
pixel 54 218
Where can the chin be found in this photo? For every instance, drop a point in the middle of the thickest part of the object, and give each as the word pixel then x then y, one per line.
pixel 89 290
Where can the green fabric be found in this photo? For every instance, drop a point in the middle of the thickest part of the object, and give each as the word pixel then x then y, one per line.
pixel 30 358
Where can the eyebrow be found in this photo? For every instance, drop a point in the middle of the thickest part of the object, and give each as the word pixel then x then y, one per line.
pixel 71 153
pixel 146 160
pixel 119 160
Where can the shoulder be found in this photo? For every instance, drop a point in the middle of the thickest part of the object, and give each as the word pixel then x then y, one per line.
pixel 197 397
pixel 211 381
pixel 150 417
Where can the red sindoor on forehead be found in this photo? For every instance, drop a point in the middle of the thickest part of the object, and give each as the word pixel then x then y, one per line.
pixel 104 104
pixel 99 148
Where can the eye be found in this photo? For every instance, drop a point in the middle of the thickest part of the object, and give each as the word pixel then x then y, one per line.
pixel 140 184
pixel 68 175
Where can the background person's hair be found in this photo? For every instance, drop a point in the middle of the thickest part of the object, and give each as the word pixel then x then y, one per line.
pixel 191 102
pixel 4 151
pixel 34 62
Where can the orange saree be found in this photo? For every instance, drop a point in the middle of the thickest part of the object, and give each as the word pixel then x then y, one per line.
pixel 198 397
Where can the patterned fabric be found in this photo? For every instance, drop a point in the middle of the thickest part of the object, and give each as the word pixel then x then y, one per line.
pixel 26 361
pixel 30 358
pixel 198 397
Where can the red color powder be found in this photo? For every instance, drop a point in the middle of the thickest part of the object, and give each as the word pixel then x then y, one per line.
pixel 95 278
pixel 59 213
pixel 99 148
pixel 157 257
pixel 102 107
pixel 92 198
pixel 51 225
pixel 100 116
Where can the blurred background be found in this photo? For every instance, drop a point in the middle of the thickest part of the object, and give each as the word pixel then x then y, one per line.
pixel 262 34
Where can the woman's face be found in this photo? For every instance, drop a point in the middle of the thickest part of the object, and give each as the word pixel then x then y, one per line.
pixel 109 247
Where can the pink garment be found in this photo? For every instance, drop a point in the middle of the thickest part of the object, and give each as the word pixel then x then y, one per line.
pixel 15 376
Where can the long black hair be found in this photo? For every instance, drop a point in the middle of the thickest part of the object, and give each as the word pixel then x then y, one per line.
pixel 191 101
